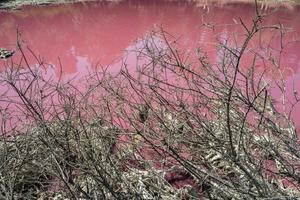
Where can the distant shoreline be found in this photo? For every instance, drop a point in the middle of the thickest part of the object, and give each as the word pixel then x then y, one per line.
pixel 17 4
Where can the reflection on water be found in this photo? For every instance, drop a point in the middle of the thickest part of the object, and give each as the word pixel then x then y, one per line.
pixel 80 36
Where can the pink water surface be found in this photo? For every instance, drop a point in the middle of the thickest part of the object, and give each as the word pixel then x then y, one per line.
pixel 80 36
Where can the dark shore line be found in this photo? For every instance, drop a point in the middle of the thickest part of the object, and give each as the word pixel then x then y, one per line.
pixel 18 4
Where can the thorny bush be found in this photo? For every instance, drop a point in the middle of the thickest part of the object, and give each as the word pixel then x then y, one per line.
pixel 137 133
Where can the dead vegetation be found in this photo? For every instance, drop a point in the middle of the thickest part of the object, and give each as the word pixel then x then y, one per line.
pixel 137 133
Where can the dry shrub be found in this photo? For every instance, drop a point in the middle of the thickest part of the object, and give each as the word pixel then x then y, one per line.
pixel 139 133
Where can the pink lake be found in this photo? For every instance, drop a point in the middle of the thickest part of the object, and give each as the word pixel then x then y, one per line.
pixel 85 35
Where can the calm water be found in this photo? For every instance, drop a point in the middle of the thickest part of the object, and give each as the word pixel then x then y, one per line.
pixel 85 35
